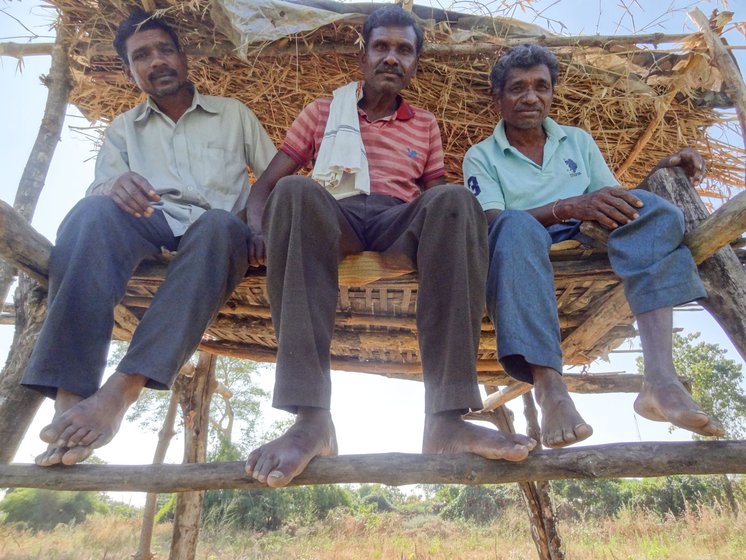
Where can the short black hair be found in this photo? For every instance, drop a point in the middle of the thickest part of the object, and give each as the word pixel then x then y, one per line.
pixel 393 16
pixel 523 56
pixel 140 20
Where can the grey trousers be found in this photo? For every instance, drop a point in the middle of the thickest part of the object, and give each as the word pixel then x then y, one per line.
pixel 308 232
pixel 98 247
pixel 647 254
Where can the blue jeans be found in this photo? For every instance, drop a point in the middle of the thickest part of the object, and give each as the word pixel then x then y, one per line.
pixel 657 271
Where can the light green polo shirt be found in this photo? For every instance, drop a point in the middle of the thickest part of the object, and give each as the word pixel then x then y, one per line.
pixel 502 178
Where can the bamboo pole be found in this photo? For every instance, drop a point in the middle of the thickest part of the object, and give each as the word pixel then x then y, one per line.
pixel 293 48
pixel 734 84
pixel 591 462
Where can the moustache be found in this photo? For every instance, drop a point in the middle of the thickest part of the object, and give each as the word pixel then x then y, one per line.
pixel 385 69
pixel 161 73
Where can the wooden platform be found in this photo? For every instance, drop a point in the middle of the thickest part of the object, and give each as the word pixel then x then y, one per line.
pixel 376 327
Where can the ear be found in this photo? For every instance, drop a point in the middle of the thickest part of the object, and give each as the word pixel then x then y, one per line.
pixel 496 103
pixel 128 74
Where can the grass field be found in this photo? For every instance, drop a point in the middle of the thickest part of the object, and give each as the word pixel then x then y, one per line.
pixel 703 534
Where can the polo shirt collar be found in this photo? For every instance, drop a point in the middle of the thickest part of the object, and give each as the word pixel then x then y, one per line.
pixel 403 113
pixel 198 100
pixel 554 133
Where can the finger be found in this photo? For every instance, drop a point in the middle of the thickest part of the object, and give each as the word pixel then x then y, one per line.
pixel 137 198
pixel 629 199
pixel 604 220
pixel 144 185
pixel 616 216
pixel 125 204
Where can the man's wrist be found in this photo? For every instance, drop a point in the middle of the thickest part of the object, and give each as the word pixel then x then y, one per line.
pixel 558 211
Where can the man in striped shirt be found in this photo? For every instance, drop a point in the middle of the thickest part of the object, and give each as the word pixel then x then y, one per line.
pixel 409 213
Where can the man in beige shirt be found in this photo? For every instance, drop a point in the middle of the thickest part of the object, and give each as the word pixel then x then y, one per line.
pixel 171 173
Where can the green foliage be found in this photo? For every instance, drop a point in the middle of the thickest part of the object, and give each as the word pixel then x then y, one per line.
pixel 479 504
pixel 43 510
pixel 717 382
pixel 581 499
pixel 268 510
pixel 673 495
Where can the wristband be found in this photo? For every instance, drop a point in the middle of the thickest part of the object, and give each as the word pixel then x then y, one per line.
pixel 554 211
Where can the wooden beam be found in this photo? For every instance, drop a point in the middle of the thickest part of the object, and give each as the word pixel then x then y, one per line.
pixel 292 48
pixel 395 469
pixel 22 246
pixel 718 229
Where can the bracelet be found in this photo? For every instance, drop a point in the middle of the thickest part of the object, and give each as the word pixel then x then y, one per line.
pixel 554 211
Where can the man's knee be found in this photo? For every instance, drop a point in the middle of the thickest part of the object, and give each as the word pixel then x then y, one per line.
pixel 94 209
pixel 296 188
pixel 658 208
pixel 220 224
pixel 518 230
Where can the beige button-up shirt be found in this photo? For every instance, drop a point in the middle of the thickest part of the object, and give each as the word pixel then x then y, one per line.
pixel 195 164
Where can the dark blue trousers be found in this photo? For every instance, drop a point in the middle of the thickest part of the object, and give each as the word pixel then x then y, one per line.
pixel 98 248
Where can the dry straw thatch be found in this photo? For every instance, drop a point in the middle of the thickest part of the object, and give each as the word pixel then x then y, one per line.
pixel 619 92
pixel 639 103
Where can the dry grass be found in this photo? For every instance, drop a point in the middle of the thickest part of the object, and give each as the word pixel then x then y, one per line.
pixel 634 535
pixel 640 103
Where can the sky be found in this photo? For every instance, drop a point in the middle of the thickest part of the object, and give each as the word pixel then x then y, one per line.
pixel 372 414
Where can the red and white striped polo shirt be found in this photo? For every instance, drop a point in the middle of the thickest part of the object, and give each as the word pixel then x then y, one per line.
pixel 404 149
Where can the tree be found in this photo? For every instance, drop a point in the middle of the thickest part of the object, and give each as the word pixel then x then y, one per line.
pixel 43 510
pixel 236 403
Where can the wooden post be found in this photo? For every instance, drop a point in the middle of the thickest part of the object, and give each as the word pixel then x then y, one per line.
pixel 536 495
pixel 722 273
pixel 149 511
pixel 18 405
pixel 37 166
pixel 195 395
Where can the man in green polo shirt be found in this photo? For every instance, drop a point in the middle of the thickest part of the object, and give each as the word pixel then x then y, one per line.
pixel 537 181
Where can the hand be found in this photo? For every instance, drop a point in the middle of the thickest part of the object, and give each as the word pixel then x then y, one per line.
pixel 132 193
pixel 690 160
pixel 610 206
pixel 257 250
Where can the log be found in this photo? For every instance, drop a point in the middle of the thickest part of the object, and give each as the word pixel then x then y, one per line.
pixel 21 246
pixel 294 48
pixel 195 395
pixel 35 172
pixel 18 405
pixel 722 273
pixel 616 460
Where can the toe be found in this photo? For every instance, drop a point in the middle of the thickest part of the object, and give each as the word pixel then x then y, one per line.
pixel 76 455
pixel 49 434
pixel 277 479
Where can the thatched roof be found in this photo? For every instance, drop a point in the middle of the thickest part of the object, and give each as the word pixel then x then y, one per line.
pixel 640 103
pixel 620 92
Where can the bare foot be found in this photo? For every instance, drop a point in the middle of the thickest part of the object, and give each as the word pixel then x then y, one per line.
pixel 53 454
pixel 448 433
pixel 89 423
pixel 669 401
pixel 278 462
pixel 561 423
